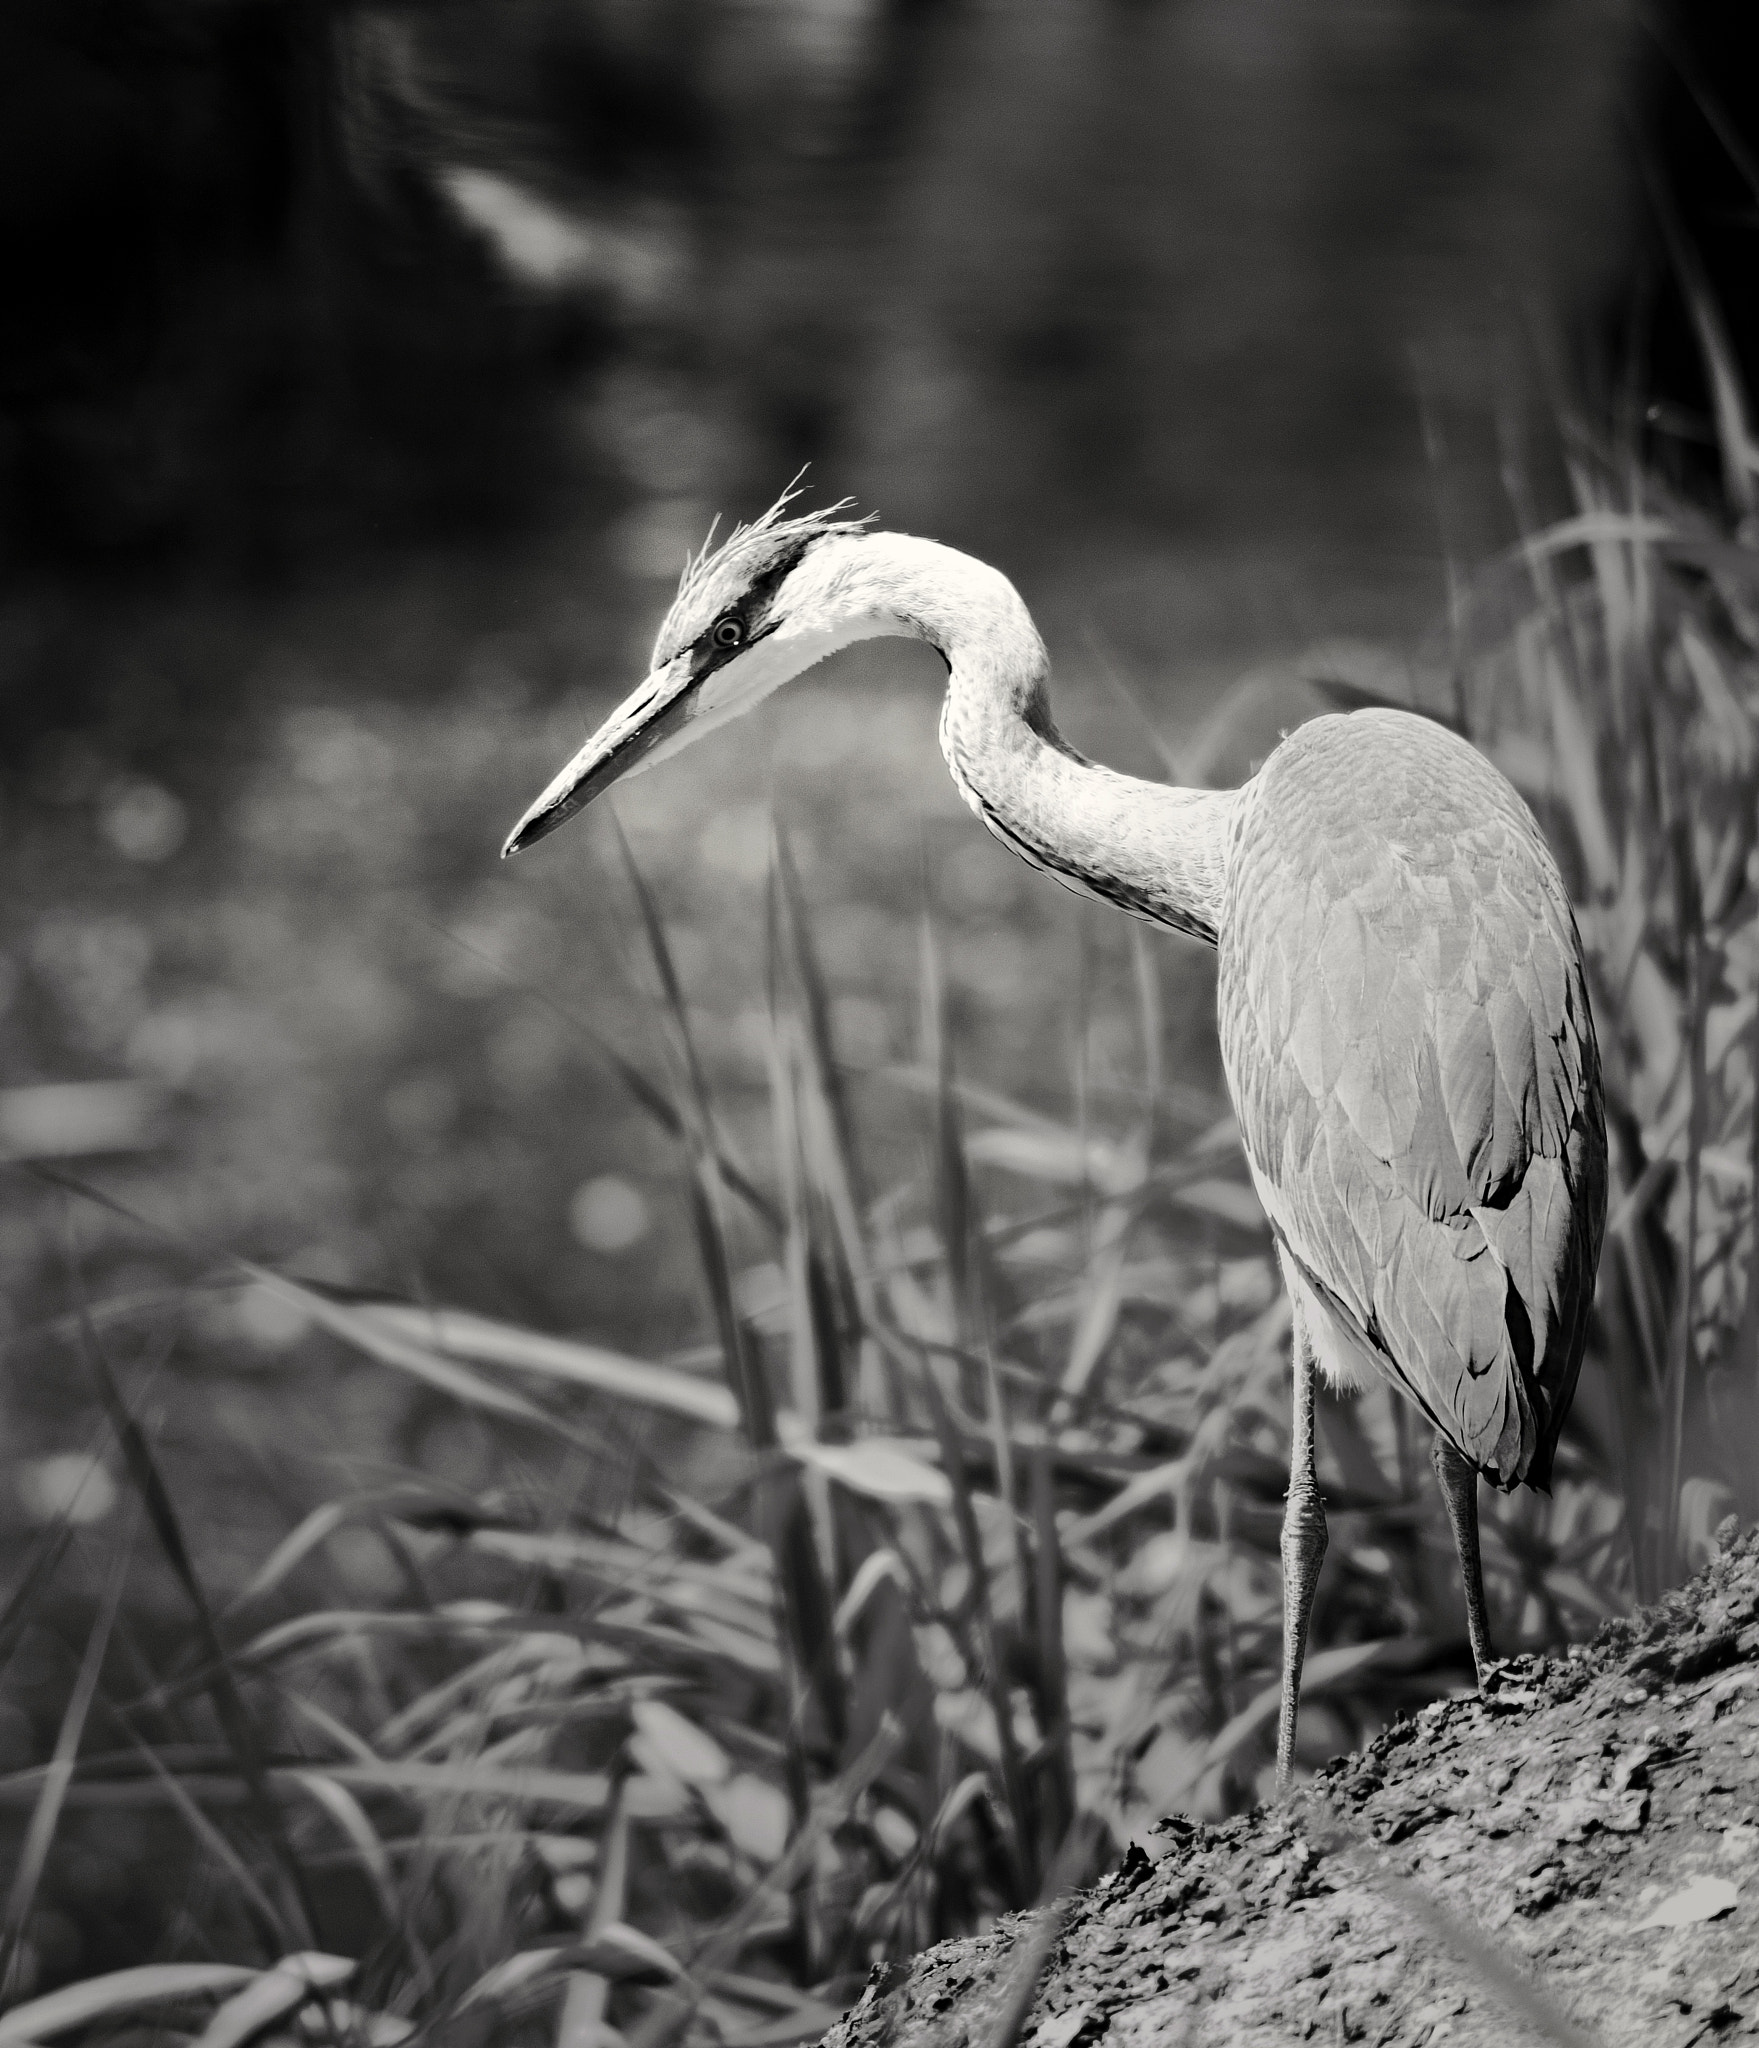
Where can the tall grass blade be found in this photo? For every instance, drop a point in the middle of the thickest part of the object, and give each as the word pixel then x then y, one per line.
pixel 951 1186
pixel 813 1340
pixel 1021 1833
pixel 806 1603
pixel 362 1837
pixel 458 1333
pixel 581 2023
pixel 1172 762
pixel 1035 1945
pixel 1745 1347
pixel 751 1388
pixel 723 1949
pixel 1685 1337
pixel 874 1570
pixel 584 1792
pixel 980 1298
pixel 367 1333
pixel 40 1566
pixel 1102 1296
pixel 235 1719
pixel 827 1075
pixel 114 1994
pixel 1324 1671
pixel 290 1553
pixel 1740 460
pixel 257 1903
pixel 46 1817
pixel 646 1094
pixel 697 1103
pixel 1055 1718
pixel 1716 116
pixel 923 1077
pixel 697 1118
pixel 1151 1023
pixel 1598 528
pixel 839 1286
pixel 274 1995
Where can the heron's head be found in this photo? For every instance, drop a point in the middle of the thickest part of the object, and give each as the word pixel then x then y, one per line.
pixel 774 598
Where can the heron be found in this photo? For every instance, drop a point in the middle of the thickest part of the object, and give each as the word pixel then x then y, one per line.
pixel 1400 995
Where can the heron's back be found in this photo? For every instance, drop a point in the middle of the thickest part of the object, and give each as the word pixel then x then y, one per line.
pixel 1407 1038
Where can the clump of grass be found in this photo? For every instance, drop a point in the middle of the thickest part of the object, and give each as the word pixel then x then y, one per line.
pixel 960 1563
pixel 1611 666
pixel 987 1564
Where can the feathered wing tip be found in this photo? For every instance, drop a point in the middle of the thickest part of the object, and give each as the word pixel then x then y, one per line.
pixel 1587 1158
pixel 715 573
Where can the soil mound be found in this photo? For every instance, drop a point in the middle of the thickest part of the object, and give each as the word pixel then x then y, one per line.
pixel 1573 1855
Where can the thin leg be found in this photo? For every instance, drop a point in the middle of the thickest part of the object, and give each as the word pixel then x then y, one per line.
pixel 1458 1479
pixel 1303 1553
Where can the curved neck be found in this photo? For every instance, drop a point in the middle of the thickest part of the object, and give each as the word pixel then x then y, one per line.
pixel 1155 851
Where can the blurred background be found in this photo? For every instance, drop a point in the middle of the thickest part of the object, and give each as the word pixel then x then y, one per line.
pixel 366 372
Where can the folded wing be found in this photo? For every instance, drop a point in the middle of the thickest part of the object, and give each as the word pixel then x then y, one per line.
pixel 1407 1036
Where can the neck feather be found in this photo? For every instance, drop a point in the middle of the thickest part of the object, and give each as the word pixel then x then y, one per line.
pixel 1155 851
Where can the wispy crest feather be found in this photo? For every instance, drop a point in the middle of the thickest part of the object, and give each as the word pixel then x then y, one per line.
pixel 716 576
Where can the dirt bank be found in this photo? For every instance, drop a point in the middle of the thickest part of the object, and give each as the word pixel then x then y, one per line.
pixel 1589 1828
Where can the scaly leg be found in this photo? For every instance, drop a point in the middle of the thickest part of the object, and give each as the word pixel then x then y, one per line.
pixel 1458 1479
pixel 1303 1552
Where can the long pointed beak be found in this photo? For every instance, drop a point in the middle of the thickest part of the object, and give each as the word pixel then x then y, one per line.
pixel 648 715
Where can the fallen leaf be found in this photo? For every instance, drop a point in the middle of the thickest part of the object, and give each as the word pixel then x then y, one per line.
pixel 886 1469
pixel 754 1813
pixel 689 1753
pixel 1705 1898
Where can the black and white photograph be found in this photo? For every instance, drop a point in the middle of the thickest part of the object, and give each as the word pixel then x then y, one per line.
pixel 879 1023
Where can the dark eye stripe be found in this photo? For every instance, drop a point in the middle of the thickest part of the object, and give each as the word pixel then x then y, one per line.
pixel 707 653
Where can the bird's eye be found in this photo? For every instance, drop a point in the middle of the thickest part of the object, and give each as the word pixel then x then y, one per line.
pixel 729 632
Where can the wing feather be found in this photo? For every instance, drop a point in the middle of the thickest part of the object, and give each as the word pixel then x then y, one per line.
pixel 1406 1033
